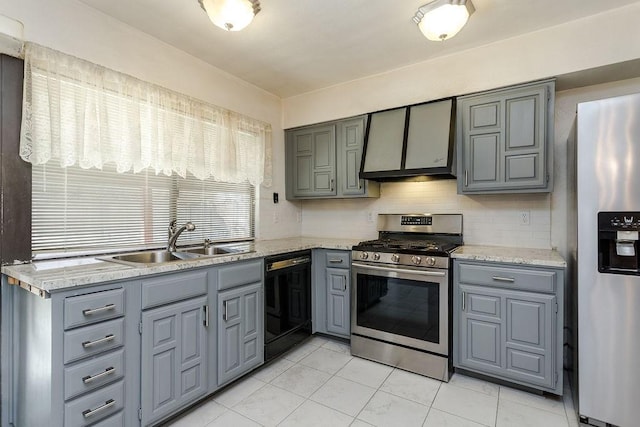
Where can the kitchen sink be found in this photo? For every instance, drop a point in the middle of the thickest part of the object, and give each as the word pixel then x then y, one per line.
pixel 150 257
pixel 211 250
pixel 154 257
pixel 161 256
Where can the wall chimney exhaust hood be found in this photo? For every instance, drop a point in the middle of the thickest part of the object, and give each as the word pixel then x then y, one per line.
pixel 412 141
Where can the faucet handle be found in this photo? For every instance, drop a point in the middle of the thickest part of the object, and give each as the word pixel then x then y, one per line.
pixel 207 243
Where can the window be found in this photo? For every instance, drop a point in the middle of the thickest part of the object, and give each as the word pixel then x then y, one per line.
pixel 115 159
pixel 90 211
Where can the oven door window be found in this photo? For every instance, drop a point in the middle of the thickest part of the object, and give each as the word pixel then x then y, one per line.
pixel 399 306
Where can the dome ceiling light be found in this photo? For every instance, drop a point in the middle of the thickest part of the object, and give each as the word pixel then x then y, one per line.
pixel 442 19
pixel 231 15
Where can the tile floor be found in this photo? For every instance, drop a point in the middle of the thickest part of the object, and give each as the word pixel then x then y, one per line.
pixel 321 384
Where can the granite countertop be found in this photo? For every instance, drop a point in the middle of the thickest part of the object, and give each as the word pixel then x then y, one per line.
pixel 524 256
pixel 51 276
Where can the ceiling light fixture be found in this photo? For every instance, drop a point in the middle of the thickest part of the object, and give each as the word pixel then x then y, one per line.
pixel 231 15
pixel 442 19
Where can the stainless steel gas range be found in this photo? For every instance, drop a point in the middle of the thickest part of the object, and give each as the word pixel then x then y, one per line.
pixel 401 284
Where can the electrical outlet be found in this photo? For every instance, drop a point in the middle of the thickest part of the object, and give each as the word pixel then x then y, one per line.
pixel 370 216
pixel 525 217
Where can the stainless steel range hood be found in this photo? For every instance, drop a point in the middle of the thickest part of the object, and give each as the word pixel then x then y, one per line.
pixel 409 142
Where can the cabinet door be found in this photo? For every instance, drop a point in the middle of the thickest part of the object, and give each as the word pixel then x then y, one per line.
pixel 530 325
pixel 503 140
pixel 350 140
pixel 338 307
pixel 481 329
pixel 240 331
pixel 313 156
pixel 174 358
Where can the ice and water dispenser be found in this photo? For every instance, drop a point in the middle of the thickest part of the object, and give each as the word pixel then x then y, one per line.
pixel 618 242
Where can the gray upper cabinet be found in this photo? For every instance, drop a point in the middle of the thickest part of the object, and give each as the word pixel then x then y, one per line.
pixel 350 137
pixel 174 357
pixel 508 322
pixel 505 139
pixel 313 161
pixel 323 161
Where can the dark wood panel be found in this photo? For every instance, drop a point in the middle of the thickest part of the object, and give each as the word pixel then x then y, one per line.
pixel 15 174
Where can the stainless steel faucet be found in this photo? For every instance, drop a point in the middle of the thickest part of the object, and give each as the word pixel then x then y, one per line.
pixel 175 233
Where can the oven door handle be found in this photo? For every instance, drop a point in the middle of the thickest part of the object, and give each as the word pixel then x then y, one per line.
pixel 401 270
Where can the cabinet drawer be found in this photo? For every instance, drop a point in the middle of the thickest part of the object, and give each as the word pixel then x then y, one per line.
pixel 116 420
pixel 94 373
pixel 91 308
pixel 239 274
pixel 507 277
pixel 93 339
pixel 174 287
pixel 95 406
pixel 337 259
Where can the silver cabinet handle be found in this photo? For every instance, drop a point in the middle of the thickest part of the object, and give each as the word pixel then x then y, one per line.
pixel 503 279
pixel 335 261
pixel 464 301
pixel 90 412
pixel 345 286
pixel 90 311
pixel 224 315
pixel 331 184
pixel 108 338
pixel 466 178
pixel 205 320
pixel 90 378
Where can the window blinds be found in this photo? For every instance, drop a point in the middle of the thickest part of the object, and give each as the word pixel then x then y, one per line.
pixel 88 211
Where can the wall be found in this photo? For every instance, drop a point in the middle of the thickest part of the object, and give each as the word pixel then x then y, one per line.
pixel 76 29
pixel 594 41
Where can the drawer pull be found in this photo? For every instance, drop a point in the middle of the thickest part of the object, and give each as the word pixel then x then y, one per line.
pixel 90 311
pixel 335 261
pixel 108 338
pixel 90 412
pixel 224 315
pixel 90 378
pixel 464 301
pixel 503 279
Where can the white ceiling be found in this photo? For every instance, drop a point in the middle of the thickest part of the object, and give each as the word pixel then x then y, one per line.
pixel 297 46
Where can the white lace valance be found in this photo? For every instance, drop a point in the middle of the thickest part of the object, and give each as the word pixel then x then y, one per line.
pixel 76 112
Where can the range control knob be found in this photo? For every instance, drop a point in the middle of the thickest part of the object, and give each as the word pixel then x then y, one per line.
pixel 376 256
pixel 431 261
pixel 395 258
pixel 416 260
pixel 364 255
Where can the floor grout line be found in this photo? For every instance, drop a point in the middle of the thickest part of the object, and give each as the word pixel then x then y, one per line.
pixel 378 388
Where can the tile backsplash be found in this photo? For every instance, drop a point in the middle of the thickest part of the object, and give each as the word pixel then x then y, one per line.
pixel 487 219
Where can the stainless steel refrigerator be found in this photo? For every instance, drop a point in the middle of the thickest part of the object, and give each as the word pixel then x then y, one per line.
pixel 605 262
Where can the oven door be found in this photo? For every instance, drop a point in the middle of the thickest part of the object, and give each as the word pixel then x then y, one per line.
pixel 401 305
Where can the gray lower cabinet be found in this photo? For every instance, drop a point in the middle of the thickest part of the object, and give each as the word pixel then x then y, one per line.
pixel 507 322
pixel 74 356
pixel 331 293
pixel 174 357
pixel 323 161
pixel 504 140
pixel 240 319
pixel 174 349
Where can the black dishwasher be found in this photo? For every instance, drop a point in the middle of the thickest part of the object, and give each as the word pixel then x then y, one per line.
pixel 287 300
